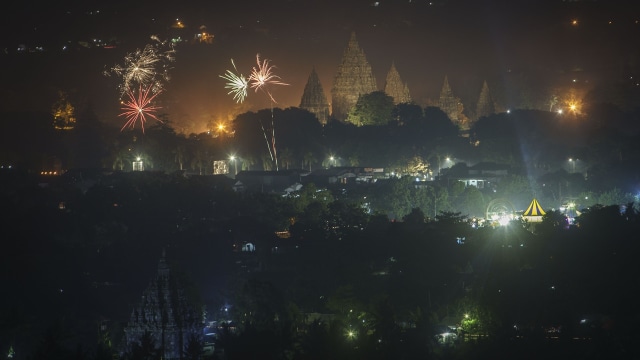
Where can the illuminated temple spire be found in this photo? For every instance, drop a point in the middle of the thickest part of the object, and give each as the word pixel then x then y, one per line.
pixel 485 106
pixel 353 78
pixel 452 106
pixel 395 88
pixel 314 99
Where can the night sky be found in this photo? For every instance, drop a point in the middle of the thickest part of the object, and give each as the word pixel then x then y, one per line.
pixel 469 41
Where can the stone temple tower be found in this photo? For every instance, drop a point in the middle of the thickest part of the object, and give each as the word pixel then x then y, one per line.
pixel 314 99
pixel 353 78
pixel 452 106
pixel 163 313
pixel 395 87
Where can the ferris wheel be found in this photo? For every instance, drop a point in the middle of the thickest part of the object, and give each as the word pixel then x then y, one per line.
pixel 500 210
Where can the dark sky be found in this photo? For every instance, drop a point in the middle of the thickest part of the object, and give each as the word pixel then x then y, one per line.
pixel 470 41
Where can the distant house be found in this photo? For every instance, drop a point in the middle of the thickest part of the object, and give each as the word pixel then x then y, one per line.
pixel 481 175
pixel 344 175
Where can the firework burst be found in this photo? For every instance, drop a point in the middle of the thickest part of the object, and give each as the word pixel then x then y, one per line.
pixel 139 107
pixel 147 67
pixel 262 76
pixel 237 84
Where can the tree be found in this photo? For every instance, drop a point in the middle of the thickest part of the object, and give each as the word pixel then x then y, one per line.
pixel 199 161
pixel 416 216
pixel 375 108
pixel 122 157
pixel 195 348
pixel 309 159
pixel 407 113
pixel 394 197
pixel 441 126
pixel 145 348
pixel 51 345
pixel 247 162
pixel 552 221
pixel 474 202
pixel 267 162
pixel 87 133
pixel 180 154
pixel 260 305
pixel 63 113
pixel 286 157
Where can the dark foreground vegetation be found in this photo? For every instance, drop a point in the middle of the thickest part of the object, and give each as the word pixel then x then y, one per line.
pixel 344 284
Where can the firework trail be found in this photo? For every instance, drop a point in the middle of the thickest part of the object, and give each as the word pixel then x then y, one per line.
pixel 261 78
pixel 137 108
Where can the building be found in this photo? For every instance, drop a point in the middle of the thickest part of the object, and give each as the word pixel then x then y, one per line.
pixel 482 175
pixel 353 79
pixel 396 88
pixel 534 212
pixel 345 175
pixel 163 314
pixel 314 99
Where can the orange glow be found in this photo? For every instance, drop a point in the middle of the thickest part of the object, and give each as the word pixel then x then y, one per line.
pixel 573 106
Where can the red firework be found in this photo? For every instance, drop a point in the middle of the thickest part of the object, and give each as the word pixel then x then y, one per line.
pixel 138 108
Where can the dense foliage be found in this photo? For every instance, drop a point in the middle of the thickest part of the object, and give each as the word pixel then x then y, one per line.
pixel 344 284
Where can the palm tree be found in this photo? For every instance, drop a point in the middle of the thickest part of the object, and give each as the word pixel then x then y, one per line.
pixel 309 158
pixel 354 160
pixel 199 161
pixel 439 154
pixel 180 153
pixel 267 163
pixel 286 157
pixel 122 156
pixel 247 162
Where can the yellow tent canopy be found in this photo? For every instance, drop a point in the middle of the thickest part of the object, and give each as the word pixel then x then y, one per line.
pixel 534 209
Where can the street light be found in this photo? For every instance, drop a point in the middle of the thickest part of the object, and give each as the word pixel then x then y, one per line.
pixel 235 164
pixel 446 163
pixel 333 161
pixel 573 164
